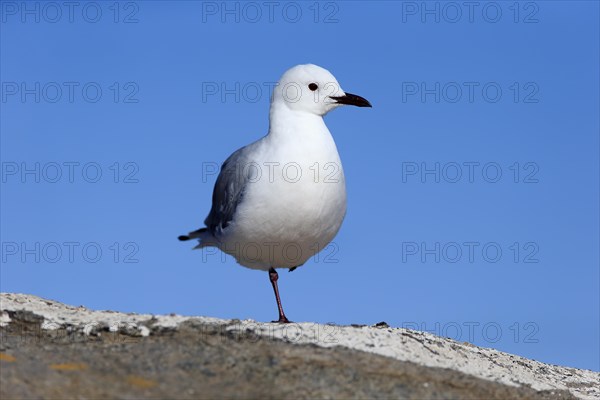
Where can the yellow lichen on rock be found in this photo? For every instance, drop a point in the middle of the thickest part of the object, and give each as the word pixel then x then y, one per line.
pixel 68 367
pixel 7 357
pixel 141 382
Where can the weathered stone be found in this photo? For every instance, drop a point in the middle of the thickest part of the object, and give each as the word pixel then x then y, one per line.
pixel 49 350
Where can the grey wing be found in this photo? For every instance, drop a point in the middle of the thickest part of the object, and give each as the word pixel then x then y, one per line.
pixel 228 192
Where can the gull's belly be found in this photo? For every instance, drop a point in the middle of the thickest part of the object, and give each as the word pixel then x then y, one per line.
pixel 291 219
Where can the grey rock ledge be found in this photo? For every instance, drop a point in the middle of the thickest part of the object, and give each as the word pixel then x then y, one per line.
pixel 417 347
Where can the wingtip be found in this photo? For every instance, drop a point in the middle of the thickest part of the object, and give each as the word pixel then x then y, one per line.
pixel 183 238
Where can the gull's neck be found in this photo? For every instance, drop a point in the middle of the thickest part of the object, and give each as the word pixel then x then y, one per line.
pixel 285 123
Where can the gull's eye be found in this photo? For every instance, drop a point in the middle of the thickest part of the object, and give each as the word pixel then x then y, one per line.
pixel 313 86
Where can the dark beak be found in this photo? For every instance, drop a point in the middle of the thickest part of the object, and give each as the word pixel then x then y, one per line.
pixel 352 100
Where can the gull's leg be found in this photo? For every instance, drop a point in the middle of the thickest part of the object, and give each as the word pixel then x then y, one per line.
pixel 273 276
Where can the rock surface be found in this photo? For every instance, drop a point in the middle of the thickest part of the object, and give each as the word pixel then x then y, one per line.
pixel 50 350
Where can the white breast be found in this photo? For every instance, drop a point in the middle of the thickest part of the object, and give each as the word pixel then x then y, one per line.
pixel 294 204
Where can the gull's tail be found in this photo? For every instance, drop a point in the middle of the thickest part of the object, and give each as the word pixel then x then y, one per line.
pixel 203 235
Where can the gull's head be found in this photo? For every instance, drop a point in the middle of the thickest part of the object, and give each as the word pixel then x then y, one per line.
pixel 312 89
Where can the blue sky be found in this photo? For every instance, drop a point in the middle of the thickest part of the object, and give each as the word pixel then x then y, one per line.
pixel 472 182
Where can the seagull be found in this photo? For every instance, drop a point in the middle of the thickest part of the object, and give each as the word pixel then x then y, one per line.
pixel 281 199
